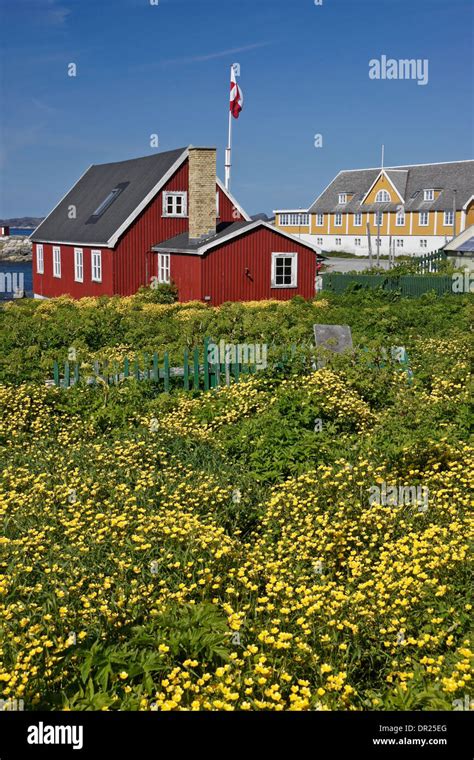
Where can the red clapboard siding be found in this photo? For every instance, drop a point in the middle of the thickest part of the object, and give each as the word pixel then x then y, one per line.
pixel 47 285
pixel 186 273
pixel 224 277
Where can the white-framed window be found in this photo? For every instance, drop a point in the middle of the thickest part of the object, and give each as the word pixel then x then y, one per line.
pixel 39 258
pixel 423 244
pixel 428 195
pixel 294 220
pixel 378 218
pixel 378 241
pixel 342 198
pixel 164 267
pixel 358 219
pixel 448 218
pixel 357 241
pixel 338 241
pixel 78 265
pixel 424 218
pixel 319 241
pixel 383 196
pixel 96 266
pixel 56 261
pixel 400 219
pixel 399 242
pixel 319 220
pixel 338 220
pixel 175 204
pixel 284 270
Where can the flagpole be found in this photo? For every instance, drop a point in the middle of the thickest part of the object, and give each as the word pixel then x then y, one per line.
pixel 228 153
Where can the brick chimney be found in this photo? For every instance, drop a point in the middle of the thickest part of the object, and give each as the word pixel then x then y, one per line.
pixel 202 192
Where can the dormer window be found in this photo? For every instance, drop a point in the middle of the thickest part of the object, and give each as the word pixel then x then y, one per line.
pixel 175 204
pixel 428 195
pixel 383 196
pixel 342 197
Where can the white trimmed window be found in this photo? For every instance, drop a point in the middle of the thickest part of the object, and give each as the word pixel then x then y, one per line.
pixel 424 218
pixel 319 241
pixel 96 266
pixel 400 219
pixel 284 270
pixel 319 220
pixel 78 265
pixel 357 241
pixel 448 219
pixel 383 196
pixel 378 241
pixel 428 195
pixel 378 218
pixel 175 204
pixel 56 261
pixel 423 244
pixel 39 258
pixel 342 198
pixel 358 219
pixel 164 267
pixel 294 220
pixel 399 243
pixel 338 220
pixel 338 241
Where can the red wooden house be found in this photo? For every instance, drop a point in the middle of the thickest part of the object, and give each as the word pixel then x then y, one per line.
pixel 165 218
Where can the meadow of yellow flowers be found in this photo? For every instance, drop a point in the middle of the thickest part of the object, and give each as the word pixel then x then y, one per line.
pixel 229 557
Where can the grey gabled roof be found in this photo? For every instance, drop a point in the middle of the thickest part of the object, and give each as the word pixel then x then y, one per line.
pixel 137 176
pixel 183 244
pixel 407 180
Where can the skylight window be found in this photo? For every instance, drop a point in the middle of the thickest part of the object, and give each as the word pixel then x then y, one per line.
pixel 109 200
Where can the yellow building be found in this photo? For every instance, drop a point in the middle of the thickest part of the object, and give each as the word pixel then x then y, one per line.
pixel 413 209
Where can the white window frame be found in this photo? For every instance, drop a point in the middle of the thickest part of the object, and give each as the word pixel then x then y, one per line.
pixel 164 268
pixel 39 258
pixel 422 215
pixel 358 219
pixel 174 196
pixel 376 215
pixel 319 220
pixel 342 198
pixel 294 269
pixel 78 264
pixel 423 243
pixel 387 198
pixel 357 241
pixel 96 270
pixel 338 241
pixel 338 219
pixel 399 243
pixel 319 241
pixel 428 195
pixel 400 219
pixel 450 216
pixel 57 261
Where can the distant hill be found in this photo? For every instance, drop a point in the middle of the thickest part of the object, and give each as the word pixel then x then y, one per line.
pixel 22 221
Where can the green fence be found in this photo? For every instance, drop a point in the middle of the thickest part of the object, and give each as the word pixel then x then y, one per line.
pixel 195 372
pixel 431 262
pixel 407 285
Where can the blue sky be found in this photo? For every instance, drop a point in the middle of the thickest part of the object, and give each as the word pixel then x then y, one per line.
pixel 144 69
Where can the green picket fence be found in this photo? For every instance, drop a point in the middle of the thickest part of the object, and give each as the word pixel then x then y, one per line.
pixel 407 285
pixel 431 262
pixel 194 373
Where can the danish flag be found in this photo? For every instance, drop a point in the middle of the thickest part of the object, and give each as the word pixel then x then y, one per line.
pixel 236 96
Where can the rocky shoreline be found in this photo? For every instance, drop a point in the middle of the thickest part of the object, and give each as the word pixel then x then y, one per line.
pixel 16 249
